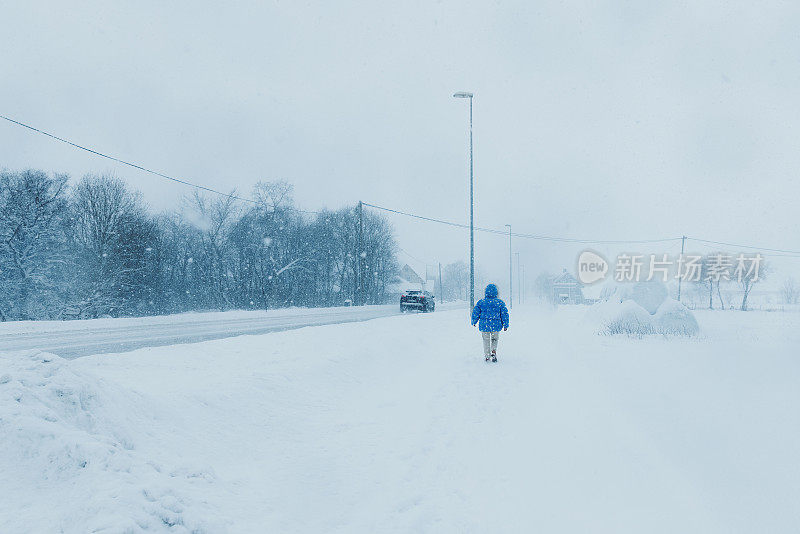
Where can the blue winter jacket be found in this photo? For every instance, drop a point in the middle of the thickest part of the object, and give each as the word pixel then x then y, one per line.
pixel 490 311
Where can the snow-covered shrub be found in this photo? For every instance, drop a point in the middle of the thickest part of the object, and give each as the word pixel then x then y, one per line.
pixel 640 309
pixel 674 318
pixel 627 317
pixel 648 295
pixel 619 317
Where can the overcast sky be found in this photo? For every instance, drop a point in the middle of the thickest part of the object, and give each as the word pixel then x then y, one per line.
pixel 600 119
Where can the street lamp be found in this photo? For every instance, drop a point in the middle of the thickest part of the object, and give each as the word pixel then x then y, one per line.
pixel 510 270
pixel 519 280
pixel 464 94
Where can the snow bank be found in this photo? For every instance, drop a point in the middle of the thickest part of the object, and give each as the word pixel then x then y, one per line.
pixel 68 439
pixel 398 425
pixel 641 308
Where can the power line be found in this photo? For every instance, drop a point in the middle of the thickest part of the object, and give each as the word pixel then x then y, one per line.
pixel 781 252
pixel 407 214
pixel 431 219
pixel 787 253
pixel 142 168
pixel 521 235
pixel 129 164
pixel 401 249
pixel 792 252
pixel 784 256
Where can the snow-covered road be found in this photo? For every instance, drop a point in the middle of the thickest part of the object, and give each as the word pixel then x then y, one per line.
pixel 71 339
pixel 397 425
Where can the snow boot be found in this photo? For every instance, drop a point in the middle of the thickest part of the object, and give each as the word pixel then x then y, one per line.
pixel 494 356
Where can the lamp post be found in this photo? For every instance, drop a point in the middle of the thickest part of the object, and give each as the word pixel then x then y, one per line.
pixel 471 207
pixel 510 270
pixel 519 280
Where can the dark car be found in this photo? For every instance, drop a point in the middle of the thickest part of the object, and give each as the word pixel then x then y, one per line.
pixel 417 300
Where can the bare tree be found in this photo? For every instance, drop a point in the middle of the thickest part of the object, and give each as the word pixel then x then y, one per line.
pixel 215 220
pixel 714 268
pixel 790 291
pixel 749 276
pixel 455 278
pixel 32 255
pixel 274 197
pixel 95 251
pixel 719 296
pixel 105 213
pixel 101 204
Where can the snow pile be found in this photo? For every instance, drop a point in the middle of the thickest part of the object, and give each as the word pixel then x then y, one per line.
pixel 674 318
pixel 68 439
pixel 398 425
pixel 641 308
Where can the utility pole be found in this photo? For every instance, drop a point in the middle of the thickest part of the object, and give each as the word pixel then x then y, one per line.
pixel 510 271
pixel 519 281
pixel 441 288
pixel 523 283
pixel 360 257
pixel 680 276
pixel 471 207
pixel 471 216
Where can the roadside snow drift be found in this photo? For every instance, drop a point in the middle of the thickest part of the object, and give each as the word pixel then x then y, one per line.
pixel 641 308
pixel 69 457
pixel 398 425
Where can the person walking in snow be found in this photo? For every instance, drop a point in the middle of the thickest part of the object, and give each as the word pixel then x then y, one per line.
pixel 490 314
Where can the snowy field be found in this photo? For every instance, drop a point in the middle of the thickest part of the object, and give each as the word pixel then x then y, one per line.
pixel 398 425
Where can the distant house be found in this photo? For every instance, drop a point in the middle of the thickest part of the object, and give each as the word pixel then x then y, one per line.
pixel 567 289
pixel 408 279
pixel 409 275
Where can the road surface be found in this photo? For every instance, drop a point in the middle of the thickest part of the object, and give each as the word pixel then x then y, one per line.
pixel 72 339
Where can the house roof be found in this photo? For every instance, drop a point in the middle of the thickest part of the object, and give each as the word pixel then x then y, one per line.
pixel 566 279
pixel 410 275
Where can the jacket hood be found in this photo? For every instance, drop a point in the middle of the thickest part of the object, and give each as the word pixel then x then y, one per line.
pixel 491 291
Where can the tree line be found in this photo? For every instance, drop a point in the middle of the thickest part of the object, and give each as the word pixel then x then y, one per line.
pixel 94 250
